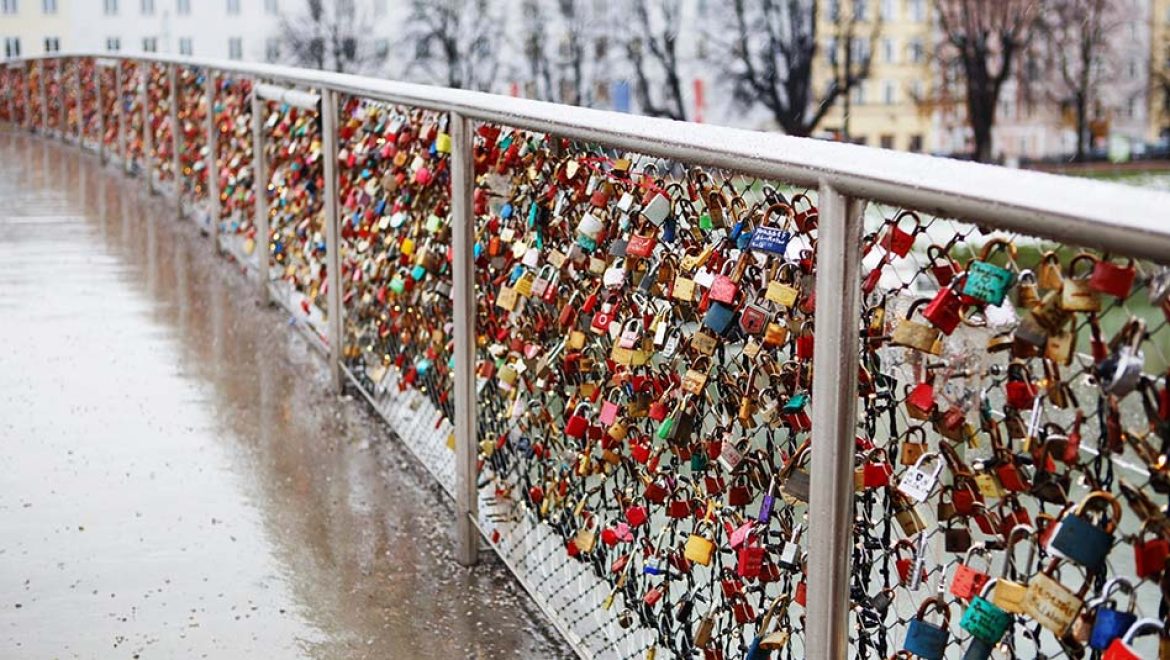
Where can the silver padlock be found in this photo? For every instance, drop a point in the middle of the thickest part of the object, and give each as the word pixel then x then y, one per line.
pixel 789 558
pixel 730 456
pixel 1159 288
pixel 1120 373
pixel 917 483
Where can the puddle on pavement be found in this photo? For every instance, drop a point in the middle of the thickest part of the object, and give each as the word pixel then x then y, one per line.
pixel 175 479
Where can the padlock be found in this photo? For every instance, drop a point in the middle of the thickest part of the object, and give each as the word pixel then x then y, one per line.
pixel 753 318
pixel 1111 279
pixel 905 565
pixel 1079 539
pixel 1027 291
pixel 783 291
pixel 986 621
pixel 876 469
pixel 1077 295
pixel 586 538
pixel 928 640
pixel 749 559
pixel 794 478
pixel 916 483
pixel 1050 603
pixel 907 517
pixel 1120 373
pixel 1150 554
pixel 578 423
pixel 941 265
pixel 1009 594
pixel 789 557
pixel 945 310
pixel 920 400
pixel 719 318
pixel 1122 649
pixel 771 239
pixel 988 282
pixel 896 240
pixel 1109 623
pixel 699 548
pixel 768 638
pixel 726 284
pixel 1019 391
pixel 919 336
pixel 968 581
pixel 911 445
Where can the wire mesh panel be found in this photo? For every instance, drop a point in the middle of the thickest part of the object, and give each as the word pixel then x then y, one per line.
pixel 133 78
pixel 107 106
pixel 158 117
pixel 1015 417
pixel 53 90
pixel 646 337
pixel 12 80
pixel 395 233
pixel 90 112
pixel 70 87
pixel 36 73
pixel 191 117
pixel 295 245
pixel 232 106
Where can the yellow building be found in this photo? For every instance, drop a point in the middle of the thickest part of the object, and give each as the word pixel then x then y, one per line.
pixel 1159 68
pixel 886 110
pixel 34 27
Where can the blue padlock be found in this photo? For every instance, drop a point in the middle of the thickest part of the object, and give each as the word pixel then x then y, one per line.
pixel 978 649
pixel 927 640
pixel 1109 623
pixel 719 317
pixel 1082 541
pixel 773 240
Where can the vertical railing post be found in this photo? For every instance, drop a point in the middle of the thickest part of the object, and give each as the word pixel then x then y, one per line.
pixel 212 166
pixel 44 99
pixel 176 137
pixel 335 293
pixel 466 443
pixel 834 396
pixel 120 111
pixel 260 186
pixel 145 72
pixel 80 95
pixel 100 109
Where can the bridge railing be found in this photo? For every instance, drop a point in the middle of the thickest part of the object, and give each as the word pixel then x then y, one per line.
pixel 703 390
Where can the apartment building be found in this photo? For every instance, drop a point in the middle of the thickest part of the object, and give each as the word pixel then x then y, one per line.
pixel 34 27
pixel 890 108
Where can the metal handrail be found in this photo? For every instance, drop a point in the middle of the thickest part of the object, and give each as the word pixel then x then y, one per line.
pixel 1123 220
pixel 1045 205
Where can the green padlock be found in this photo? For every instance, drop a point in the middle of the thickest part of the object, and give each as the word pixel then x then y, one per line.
pixel 983 619
pixel 987 282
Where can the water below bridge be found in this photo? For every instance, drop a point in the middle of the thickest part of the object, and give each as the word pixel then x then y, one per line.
pixel 175 478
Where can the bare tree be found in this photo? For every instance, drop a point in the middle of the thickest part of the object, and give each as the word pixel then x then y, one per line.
pixel 328 35
pixel 982 39
pixel 1082 46
pixel 454 42
pixel 555 72
pixel 652 50
pixel 772 53
pixel 1161 85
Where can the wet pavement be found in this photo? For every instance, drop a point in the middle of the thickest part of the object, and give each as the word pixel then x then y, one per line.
pixel 176 480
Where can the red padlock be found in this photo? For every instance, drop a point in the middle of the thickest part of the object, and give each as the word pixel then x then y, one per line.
pixel 1121 647
pixel 1019 392
pixel 578 424
pixel 895 239
pixel 942 266
pixel 751 559
pixel 877 471
pixel 945 311
pixel 968 580
pixel 1150 555
pixel 920 402
pixel 636 515
pixel 1111 279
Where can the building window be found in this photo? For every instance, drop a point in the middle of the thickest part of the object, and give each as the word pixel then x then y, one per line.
pixel 889 53
pixel 8 7
pixel 915 144
pixel 887 141
pixel 150 44
pixel 858 94
pixel 113 44
pixel 185 46
pixel 235 48
pixel 859 49
pixel 859 9
pixel 148 7
pixel 110 7
pixel 916 52
pixel 52 44
pixel 49 6
pixel 917 10
pixel 233 7
pixel 889 93
pixel 381 49
pixel 183 7
pixel 271 8
pixel 831 50
pixel 272 49
pixel 888 9
pixel 834 10
pixel 11 46
pixel 859 139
